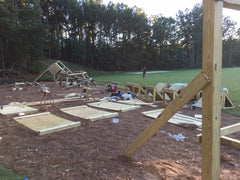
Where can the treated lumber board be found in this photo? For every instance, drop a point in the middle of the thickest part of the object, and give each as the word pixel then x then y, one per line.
pixel 89 113
pixel 198 83
pixel 135 102
pixel 41 75
pixel 55 100
pixel 177 119
pixel 141 91
pixel 45 123
pixel 114 106
pixel 232 4
pixel 161 86
pixel 58 128
pixel 226 101
pixel 212 66
pixel 15 109
pixel 31 115
pixel 157 96
pixel 54 69
pixel 227 141
pixel 224 131
pixel 170 93
pixel 230 129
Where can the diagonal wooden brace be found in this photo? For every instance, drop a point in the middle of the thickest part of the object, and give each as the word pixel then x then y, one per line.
pixel 197 84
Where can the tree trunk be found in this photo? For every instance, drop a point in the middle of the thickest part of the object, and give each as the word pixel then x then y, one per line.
pixel 3 75
pixel 230 59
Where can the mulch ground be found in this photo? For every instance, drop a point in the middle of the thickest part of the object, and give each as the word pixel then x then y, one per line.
pixel 94 150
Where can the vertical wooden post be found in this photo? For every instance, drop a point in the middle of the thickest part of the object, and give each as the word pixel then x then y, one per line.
pixel 212 67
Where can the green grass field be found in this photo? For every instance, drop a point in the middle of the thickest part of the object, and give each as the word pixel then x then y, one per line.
pixel 6 174
pixel 230 80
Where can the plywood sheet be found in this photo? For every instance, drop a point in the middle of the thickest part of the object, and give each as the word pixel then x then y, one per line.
pixel 135 102
pixel 176 119
pixel 89 113
pixel 15 109
pixel 45 123
pixel 114 106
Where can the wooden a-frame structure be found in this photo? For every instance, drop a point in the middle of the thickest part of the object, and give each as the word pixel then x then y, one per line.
pixel 209 81
pixel 59 71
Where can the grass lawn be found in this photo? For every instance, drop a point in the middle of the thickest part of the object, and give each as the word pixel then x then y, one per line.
pixel 230 80
pixel 6 174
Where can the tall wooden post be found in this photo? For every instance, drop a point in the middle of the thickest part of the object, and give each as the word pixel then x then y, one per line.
pixel 212 67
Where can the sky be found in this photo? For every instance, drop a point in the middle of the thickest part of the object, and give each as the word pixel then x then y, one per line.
pixel 171 7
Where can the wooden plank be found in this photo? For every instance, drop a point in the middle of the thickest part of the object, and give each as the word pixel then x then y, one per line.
pixel 161 86
pixel 55 101
pixel 40 76
pixel 226 101
pixel 135 102
pixel 212 66
pixel 130 86
pixel 224 131
pixel 58 128
pixel 230 129
pixel 199 82
pixel 141 91
pixel 157 96
pixel 114 106
pixel 232 4
pixel 169 93
pixel 54 69
pixel 177 119
pixel 89 113
pixel 15 109
pixel 45 123
pixel 31 115
pixel 227 141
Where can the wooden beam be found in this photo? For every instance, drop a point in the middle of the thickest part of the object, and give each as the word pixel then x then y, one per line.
pixel 212 66
pixel 198 83
pixel 224 131
pixel 232 4
pixel 227 141
pixel 230 129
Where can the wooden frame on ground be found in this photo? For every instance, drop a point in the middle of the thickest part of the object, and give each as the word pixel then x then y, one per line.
pixel 114 106
pixel 89 113
pixel 156 95
pixel 136 89
pixel 45 123
pixel 224 139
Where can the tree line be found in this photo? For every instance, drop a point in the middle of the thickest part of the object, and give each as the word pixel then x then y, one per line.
pixel 112 37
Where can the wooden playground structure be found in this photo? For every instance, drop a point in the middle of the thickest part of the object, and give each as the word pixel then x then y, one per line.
pixel 61 72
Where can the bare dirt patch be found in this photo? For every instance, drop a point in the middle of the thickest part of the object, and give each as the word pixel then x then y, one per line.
pixel 95 149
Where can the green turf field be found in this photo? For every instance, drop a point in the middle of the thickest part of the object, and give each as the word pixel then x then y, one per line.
pixel 230 80
pixel 6 174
